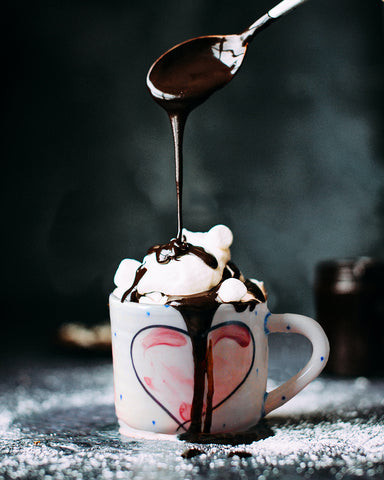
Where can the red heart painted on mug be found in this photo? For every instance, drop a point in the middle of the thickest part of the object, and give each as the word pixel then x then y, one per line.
pixel 163 363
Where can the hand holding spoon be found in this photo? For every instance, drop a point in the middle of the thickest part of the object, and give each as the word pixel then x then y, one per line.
pixel 190 72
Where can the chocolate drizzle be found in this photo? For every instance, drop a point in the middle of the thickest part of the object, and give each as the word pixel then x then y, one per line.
pixel 210 388
pixel 175 249
pixel 255 290
pixel 198 320
pixel 180 81
pixel 140 272
pixel 198 311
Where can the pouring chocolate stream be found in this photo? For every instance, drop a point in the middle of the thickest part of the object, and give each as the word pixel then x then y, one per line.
pixel 187 74
pixel 180 80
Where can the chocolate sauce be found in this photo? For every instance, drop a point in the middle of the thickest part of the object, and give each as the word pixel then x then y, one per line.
pixel 198 311
pixel 140 272
pixel 255 290
pixel 175 249
pixel 184 78
pixel 187 75
pixel 180 81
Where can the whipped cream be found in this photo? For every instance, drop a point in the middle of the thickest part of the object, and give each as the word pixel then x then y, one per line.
pixel 164 274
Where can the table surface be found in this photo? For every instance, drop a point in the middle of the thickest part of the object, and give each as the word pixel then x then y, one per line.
pixel 57 421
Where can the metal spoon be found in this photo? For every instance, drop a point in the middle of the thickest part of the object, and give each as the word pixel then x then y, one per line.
pixel 187 74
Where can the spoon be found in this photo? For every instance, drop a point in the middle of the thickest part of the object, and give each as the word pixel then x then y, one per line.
pixel 187 74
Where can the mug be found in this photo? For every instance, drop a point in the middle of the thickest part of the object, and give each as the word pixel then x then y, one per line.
pixel 154 368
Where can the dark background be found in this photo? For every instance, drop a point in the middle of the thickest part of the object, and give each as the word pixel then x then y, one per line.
pixel 290 155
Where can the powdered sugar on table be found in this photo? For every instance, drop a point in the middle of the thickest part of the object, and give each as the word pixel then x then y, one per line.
pixel 57 421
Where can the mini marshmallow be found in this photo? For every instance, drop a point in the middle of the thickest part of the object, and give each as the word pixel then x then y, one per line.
pixel 154 298
pixel 216 241
pixel 221 236
pixel 231 290
pixel 248 297
pixel 125 273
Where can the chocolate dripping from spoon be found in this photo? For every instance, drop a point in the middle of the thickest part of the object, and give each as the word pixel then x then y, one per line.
pixel 186 75
pixel 178 124
pixel 179 81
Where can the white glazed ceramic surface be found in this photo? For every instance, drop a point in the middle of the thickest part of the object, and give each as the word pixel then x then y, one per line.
pixel 153 366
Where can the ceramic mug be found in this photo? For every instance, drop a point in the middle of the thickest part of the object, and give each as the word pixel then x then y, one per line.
pixel 153 366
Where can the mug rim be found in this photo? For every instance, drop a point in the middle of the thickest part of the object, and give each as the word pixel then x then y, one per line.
pixel 154 306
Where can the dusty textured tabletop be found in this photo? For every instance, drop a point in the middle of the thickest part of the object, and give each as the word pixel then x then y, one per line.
pixel 57 422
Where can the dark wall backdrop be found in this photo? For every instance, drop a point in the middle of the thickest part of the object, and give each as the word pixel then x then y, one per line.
pixel 290 155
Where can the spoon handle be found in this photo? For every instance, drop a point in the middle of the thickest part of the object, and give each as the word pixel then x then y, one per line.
pixel 276 12
pixel 284 7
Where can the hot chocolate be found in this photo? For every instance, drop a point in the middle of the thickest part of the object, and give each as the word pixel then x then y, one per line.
pixel 193 272
pixel 195 277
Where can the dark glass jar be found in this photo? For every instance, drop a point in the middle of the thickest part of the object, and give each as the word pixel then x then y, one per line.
pixel 349 301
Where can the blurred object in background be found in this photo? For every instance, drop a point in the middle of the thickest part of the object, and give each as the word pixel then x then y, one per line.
pixel 349 298
pixel 77 337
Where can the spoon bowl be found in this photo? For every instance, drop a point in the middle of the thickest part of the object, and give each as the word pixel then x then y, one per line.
pixel 191 71
pixel 187 74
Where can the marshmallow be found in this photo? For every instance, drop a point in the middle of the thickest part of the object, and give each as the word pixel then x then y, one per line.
pixel 154 298
pixel 125 273
pixel 189 274
pixel 232 290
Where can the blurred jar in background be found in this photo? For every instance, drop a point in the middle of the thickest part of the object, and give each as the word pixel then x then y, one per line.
pixel 349 302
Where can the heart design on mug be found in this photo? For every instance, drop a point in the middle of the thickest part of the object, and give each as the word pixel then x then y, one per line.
pixel 162 360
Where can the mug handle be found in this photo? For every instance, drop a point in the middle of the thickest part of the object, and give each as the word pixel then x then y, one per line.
pixel 292 323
